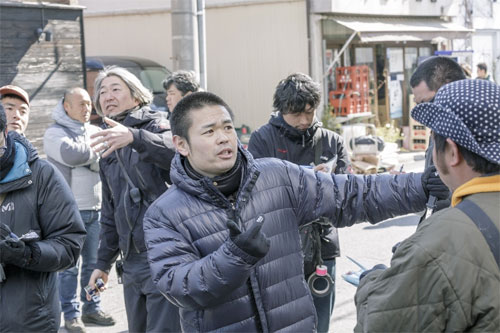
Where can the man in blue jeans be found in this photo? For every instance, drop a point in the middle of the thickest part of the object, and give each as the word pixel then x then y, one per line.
pixel 67 145
pixel 294 134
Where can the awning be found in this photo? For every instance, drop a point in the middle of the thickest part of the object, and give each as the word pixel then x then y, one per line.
pixel 393 29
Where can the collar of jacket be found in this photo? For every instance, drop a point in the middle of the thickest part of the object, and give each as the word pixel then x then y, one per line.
pixel 301 137
pixel 135 117
pixel 61 117
pixel 19 175
pixel 203 188
pixel 486 183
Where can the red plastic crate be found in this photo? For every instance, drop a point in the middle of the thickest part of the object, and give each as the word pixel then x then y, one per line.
pixel 353 77
pixel 344 104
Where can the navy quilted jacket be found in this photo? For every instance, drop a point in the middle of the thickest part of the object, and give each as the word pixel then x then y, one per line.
pixel 220 288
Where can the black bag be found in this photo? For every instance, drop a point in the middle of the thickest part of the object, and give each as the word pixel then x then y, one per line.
pixel 310 233
pixel 310 238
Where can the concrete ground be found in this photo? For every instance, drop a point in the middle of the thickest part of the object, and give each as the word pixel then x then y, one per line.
pixel 366 243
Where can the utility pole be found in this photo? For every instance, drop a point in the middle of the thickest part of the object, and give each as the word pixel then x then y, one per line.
pixel 185 51
pixel 200 13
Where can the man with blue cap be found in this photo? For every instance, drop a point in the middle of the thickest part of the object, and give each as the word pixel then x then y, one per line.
pixel 446 277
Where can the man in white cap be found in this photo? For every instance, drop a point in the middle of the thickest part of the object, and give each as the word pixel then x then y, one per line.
pixel 446 277
pixel 16 103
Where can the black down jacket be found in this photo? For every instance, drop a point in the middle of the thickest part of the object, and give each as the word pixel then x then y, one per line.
pixel 220 288
pixel 278 139
pixel 147 161
pixel 38 199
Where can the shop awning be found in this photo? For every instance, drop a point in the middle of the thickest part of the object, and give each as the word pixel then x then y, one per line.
pixel 394 29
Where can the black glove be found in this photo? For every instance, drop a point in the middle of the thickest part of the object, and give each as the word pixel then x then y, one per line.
pixel 252 241
pixel 14 251
pixel 433 185
pixel 376 267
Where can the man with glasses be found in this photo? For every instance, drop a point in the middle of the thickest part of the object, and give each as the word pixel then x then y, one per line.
pixel 429 76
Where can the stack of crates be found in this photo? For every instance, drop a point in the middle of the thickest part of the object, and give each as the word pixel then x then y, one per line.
pixel 419 136
pixel 352 91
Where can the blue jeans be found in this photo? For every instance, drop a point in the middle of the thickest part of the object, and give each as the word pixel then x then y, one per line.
pixel 68 279
pixel 324 305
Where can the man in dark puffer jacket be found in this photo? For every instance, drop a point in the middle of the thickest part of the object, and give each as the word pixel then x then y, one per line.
pixel 223 242
pixel 35 200
pixel 294 134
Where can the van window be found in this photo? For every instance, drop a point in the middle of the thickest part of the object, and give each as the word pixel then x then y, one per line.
pixel 152 78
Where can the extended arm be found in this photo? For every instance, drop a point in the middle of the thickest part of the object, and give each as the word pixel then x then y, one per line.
pixel 349 199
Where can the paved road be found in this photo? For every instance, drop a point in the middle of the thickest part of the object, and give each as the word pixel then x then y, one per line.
pixel 369 244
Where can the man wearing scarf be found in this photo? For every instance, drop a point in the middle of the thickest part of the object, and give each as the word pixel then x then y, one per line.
pixel 223 241
pixel 446 277
pixel 41 233
pixel 136 149
pixel 67 145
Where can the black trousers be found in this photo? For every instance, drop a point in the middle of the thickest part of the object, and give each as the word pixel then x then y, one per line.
pixel 147 309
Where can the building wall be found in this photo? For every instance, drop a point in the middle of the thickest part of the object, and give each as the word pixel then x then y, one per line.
pixel 250 49
pixel 386 7
pixel 43 68
pixel 144 35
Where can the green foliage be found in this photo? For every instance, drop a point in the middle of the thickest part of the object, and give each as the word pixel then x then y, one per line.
pixel 390 133
pixel 328 120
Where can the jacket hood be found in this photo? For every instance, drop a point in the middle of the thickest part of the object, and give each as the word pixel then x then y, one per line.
pixel 291 132
pixel 198 188
pixel 61 117
pixel 32 153
pixel 19 175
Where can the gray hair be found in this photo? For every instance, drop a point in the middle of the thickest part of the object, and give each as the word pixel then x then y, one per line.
pixel 137 89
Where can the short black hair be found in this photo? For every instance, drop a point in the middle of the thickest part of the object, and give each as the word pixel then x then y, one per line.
pixel 436 72
pixel 184 81
pixel 476 162
pixel 293 93
pixel 3 119
pixel 180 122
pixel 482 66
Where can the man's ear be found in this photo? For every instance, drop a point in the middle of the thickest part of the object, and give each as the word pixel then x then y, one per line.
pixel 181 145
pixel 66 106
pixel 455 158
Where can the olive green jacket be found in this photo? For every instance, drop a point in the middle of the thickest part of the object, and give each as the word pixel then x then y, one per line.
pixel 442 278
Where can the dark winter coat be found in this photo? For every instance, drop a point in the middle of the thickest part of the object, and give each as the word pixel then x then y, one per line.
pixel 443 278
pixel 280 140
pixel 147 161
pixel 39 199
pixel 217 286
